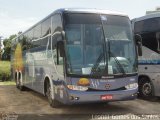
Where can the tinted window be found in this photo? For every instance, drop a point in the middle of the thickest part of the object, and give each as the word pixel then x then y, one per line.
pixel 30 35
pixel 73 34
pixel 148 29
pixel 152 24
pixel 58 60
pixel 117 27
pixel 149 40
pixel 37 31
pixel 40 44
pixel 56 23
pixel 82 19
pixel 26 43
pixel 46 27
pixel 57 26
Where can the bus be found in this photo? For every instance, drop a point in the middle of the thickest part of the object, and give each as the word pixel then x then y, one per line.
pixel 148 27
pixel 78 56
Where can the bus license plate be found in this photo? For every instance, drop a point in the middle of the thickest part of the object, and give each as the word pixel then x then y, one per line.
pixel 106 97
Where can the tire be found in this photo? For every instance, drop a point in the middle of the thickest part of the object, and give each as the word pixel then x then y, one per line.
pixel 19 84
pixel 21 87
pixel 145 88
pixel 53 103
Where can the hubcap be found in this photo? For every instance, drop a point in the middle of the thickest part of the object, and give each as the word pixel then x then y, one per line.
pixel 147 89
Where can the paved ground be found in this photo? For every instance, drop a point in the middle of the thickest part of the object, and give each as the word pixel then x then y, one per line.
pixel 30 105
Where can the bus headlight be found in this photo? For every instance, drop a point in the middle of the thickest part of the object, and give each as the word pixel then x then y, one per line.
pixel 75 87
pixel 131 86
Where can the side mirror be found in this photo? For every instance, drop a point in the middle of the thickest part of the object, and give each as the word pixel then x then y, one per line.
pixel 63 34
pixel 58 37
pixel 61 48
pixel 138 40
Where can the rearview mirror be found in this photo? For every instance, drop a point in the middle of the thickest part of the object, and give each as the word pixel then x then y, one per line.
pixel 138 40
pixel 61 48
pixel 58 37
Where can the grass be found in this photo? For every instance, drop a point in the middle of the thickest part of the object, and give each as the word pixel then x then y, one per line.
pixel 5 69
pixel 8 83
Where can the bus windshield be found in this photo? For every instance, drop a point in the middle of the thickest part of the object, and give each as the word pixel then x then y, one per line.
pixel 99 45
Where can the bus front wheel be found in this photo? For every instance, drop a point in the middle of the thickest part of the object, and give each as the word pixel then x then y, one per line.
pixel 53 103
pixel 145 88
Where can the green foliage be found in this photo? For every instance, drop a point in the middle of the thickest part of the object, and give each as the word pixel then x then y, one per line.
pixel 24 43
pixel 8 83
pixel 5 70
pixel 7 47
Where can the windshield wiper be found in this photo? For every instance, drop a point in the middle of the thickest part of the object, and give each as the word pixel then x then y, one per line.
pixel 115 58
pixel 118 63
pixel 95 66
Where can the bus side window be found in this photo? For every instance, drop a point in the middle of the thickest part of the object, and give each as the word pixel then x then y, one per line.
pixel 149 32
pixel 57 26
pixel 58 60
pixel 55 55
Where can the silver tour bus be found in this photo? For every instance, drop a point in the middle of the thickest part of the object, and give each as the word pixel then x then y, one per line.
pixel 78 56
pixel 148 27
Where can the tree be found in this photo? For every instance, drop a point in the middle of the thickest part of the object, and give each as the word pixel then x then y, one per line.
pixel 7 47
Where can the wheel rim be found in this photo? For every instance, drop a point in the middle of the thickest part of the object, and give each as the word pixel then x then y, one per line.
pixel 147 89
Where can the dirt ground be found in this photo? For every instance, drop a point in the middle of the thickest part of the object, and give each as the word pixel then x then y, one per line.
pixel 29 105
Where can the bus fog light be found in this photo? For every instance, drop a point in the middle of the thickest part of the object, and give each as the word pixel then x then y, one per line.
pixel 76 98
pixel 131 86
pixel 75 87
pixel 134 95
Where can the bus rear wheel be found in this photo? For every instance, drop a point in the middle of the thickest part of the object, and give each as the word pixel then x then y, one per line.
pixel 53 103
pixel 145 88
pixel 18 79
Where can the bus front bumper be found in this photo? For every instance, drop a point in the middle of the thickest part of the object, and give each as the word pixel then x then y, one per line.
pixel 100 96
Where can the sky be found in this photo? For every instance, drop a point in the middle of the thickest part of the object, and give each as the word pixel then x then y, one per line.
pixel 19 15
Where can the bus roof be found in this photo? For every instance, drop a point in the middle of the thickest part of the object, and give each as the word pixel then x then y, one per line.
pixel 148 16
pixel 78 10
pixel 86 10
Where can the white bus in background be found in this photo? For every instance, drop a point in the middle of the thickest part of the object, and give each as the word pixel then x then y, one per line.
pixel 148 27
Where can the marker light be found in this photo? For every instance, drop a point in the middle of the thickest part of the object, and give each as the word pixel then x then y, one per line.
pixel 83 82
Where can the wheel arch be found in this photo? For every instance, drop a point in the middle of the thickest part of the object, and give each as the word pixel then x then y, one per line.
pixel 144 76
